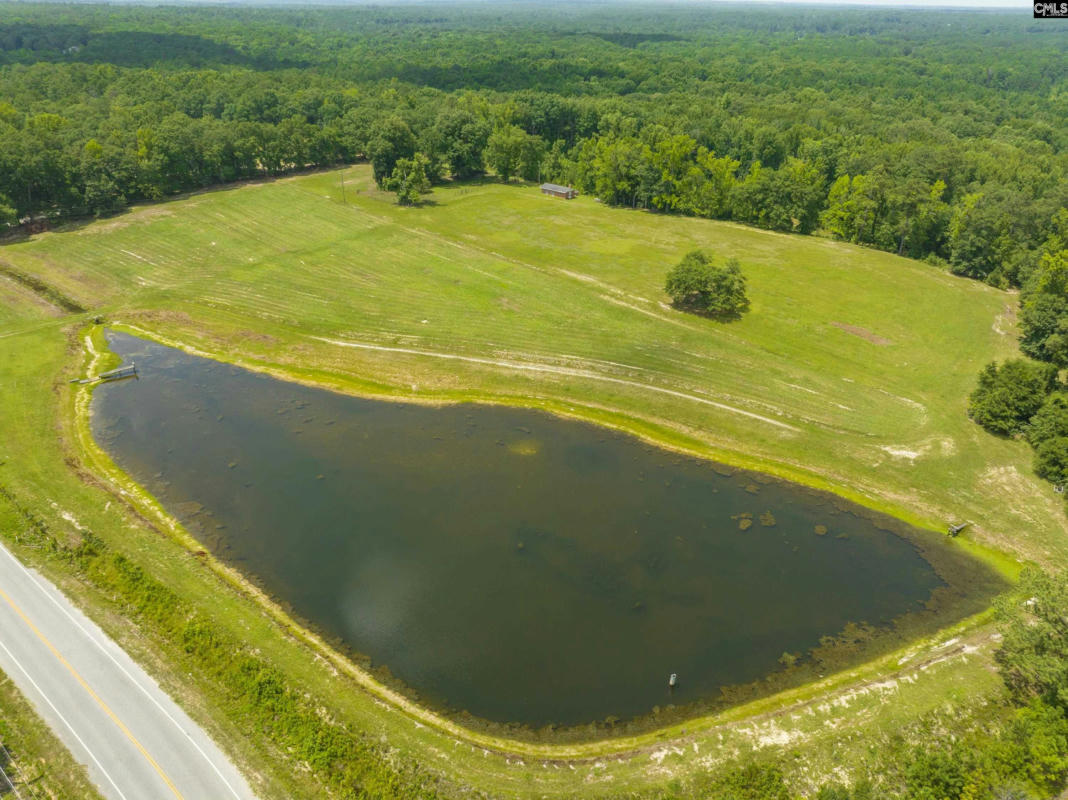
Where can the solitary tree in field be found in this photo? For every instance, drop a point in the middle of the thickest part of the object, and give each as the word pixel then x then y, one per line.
pixel 409 180
pixel 696 284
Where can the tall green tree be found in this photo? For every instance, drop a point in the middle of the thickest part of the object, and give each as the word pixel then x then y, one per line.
pixel 918 216
pixel 623 171
pixel 409 180
pixel 1044 310
pixel 531 157
pixel 556 166
pixel 786 199
pixel 697 284
pixel 708 188
pixel 854 207
pixel 391 141
pixel 504 151
pixel 459 137
pixel 674 157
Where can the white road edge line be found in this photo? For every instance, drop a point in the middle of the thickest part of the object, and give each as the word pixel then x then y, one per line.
pixel 137 683
pixel 65 722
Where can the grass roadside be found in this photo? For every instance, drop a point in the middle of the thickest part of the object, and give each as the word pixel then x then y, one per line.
pixel 873 703
pixel 32 757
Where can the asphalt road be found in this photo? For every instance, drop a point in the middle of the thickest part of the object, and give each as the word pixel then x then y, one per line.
pixel 136 742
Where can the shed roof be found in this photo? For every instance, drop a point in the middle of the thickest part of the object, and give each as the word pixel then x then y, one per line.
pixel 555 187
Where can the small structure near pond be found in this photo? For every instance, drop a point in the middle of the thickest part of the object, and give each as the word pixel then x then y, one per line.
pixel 556 190
pixel 127 371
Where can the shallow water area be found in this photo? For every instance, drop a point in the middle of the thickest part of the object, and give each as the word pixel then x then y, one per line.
pixel 519 566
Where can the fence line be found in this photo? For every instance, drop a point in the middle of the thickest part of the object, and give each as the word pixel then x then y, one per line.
pixel 14 768
pixel 10 783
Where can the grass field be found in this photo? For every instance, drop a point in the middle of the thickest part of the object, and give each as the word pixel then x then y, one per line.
pixel 850 372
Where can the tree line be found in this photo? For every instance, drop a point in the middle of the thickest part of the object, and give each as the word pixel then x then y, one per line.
pixel 935 145
pixel 1026 397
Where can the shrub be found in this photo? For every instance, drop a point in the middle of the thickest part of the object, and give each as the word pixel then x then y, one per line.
pixel 409 180
pixel 1008 396
pixel 1051 421
pixel 1033 750
pixel 1051 460
pixel 1033 656
pixel 752 782
pixel 936 775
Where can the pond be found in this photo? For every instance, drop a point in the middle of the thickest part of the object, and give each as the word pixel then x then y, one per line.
pixel 517 566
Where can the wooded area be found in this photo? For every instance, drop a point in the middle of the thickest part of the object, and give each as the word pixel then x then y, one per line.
pixel 938 135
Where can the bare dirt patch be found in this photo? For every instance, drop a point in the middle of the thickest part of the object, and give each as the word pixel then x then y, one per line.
pixel 1005 322
pixel 124 220
pixel 180 318
pixel 863 333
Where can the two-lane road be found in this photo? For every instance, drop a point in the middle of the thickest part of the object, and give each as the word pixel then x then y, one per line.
pixel 136 742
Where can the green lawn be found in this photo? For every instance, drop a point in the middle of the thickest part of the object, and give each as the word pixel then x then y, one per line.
pixel 851 371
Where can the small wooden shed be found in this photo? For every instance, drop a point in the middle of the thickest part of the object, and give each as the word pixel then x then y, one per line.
pixel 555 190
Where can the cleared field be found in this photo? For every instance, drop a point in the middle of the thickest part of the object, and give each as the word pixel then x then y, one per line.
pixel 851 371
pixel 853 366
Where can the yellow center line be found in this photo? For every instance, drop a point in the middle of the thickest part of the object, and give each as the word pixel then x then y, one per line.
pixel 93 694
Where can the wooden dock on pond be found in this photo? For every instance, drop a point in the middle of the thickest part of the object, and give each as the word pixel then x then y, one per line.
pixel 118 374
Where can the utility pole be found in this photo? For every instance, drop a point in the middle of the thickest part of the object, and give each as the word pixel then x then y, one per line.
pixel 343 202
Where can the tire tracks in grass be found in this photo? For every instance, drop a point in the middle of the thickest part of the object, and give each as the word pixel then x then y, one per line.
pixel 572 372
pixel 618 296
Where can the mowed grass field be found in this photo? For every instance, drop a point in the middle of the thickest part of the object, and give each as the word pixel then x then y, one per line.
pixel 853 366
pixel 851 371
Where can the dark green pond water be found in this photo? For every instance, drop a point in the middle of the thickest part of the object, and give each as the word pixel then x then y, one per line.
pixel 519 566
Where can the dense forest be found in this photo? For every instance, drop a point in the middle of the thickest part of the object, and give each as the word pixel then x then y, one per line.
pixel 938 135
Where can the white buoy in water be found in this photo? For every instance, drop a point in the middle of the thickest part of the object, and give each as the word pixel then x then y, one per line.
pixel 673 680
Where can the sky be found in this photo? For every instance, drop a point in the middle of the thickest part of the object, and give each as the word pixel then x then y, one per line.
pixel 1022 5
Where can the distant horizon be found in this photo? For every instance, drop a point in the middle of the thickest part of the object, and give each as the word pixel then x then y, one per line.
pixel 919 4
pixel 928 5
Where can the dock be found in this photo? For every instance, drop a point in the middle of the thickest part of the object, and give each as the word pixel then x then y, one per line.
pixel 118 374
